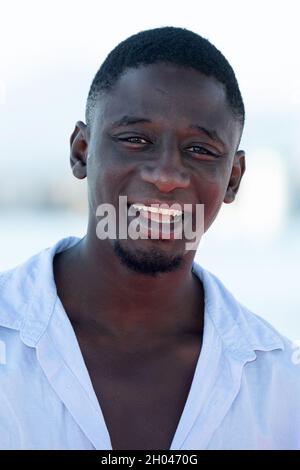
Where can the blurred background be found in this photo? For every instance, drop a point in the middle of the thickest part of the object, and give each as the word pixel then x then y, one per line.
pixel 49 54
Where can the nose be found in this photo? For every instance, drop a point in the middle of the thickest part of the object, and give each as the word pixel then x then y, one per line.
pixel 166 171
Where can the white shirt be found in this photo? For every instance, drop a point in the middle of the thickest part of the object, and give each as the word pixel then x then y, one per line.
pixel 245 392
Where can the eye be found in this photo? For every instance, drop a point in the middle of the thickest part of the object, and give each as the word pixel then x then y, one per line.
pixel 134 140
pixel 199 150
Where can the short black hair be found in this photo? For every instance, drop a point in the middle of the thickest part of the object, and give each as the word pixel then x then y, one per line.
pixel 170 45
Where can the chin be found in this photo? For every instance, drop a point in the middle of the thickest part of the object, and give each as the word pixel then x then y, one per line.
pixel 151 261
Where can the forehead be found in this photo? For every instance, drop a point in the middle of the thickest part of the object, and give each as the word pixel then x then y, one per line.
pixel 170 96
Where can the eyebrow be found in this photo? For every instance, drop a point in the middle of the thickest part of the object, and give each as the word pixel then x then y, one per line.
pixel 212 134
pixel 130 120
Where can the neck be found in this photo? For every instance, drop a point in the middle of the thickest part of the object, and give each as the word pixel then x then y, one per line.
pixel 96 289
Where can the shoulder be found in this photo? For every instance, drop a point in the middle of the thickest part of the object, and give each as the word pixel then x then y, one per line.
pixel 28 290
pixel 245 334
pixel 15 293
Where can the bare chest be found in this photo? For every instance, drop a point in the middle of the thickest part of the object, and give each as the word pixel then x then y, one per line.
pixel 142 395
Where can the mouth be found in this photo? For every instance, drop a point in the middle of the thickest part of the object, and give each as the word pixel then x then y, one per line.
pixel 158 214
pixel 156 221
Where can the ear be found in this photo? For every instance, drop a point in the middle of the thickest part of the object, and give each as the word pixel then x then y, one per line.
pixel 78 150
pixel 237 171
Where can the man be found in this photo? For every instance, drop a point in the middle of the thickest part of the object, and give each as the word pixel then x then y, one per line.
pixel 124 342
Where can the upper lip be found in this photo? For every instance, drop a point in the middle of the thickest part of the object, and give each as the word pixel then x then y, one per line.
pixel 185 207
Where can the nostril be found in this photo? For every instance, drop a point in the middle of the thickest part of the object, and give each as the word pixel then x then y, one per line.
pixel 165 179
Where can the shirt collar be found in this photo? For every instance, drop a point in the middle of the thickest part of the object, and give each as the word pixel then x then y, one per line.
pixel 241 331
pixel 28 295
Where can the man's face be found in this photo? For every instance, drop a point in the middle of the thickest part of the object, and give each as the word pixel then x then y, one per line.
pixel 167 134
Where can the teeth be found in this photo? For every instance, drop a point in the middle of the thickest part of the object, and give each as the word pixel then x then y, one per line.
pixel 157 210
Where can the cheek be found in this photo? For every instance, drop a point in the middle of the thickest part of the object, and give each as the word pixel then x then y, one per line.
pixel 97 183
pixel 212 193
pixel 212 203
pixel 106 175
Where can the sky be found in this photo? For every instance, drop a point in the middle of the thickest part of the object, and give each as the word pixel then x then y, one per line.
pixel 260 38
